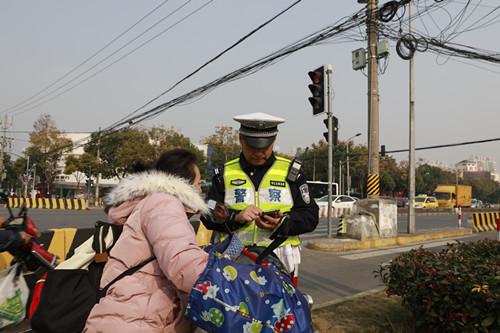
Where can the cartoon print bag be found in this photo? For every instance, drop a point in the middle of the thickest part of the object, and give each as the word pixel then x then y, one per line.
pixel 247 298
pixel 13 296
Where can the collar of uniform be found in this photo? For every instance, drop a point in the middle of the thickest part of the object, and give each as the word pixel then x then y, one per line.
pixel 246 166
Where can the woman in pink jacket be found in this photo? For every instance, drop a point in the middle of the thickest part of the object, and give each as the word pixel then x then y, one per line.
pixel 154 207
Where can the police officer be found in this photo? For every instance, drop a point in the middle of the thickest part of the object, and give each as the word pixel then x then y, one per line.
pixel 259 191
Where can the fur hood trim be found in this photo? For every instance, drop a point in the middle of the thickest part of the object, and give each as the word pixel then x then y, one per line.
pixel 143 183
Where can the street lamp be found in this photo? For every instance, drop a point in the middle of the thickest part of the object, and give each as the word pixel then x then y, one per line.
pixel 348 176
pixel 27 175
pixel 34 175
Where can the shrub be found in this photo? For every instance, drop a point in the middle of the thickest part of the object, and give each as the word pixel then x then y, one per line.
pixel 454 290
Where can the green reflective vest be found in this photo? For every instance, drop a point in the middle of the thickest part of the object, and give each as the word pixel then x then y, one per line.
pixel 273 194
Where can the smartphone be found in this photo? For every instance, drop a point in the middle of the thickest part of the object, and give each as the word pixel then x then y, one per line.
pixel 272 213
pixel 211 204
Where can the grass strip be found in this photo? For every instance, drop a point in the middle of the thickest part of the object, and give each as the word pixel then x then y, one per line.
pixel 374 313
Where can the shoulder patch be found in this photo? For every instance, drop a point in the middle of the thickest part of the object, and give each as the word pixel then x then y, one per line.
pixel 238 182
pixel 304 192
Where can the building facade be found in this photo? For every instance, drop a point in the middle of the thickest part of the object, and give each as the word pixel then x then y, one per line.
pixel 75 184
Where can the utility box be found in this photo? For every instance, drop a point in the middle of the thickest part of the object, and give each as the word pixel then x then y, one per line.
pixel 383 48
pixel 359 59
pixel 384 212
pixel 361 226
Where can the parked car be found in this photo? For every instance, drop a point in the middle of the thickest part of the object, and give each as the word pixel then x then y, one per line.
pixel 477 204
pixel 422 201
pixel 338 201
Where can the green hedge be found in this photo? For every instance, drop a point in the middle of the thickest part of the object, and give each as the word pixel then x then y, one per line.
pixel 454 290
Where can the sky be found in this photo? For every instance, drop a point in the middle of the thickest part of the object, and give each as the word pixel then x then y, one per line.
pixel 456 99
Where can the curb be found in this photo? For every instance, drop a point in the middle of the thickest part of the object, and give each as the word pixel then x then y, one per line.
pixel 348 298
pixel 341 245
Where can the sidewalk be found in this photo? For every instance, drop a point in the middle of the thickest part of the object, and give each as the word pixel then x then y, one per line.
pixel 348 244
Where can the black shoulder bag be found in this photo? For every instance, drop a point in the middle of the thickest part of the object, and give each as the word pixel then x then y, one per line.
pixel 63 298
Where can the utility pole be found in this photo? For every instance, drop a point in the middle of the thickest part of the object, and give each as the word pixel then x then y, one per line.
pixel 373 185
pixel 89 181
pixel 27 175
pixel 341 186
pixel 98 176
pixel 411 158
pixel 329 74
pixel 34 176
pixel 348 173
pixel 347 162
pixel 314 166
pixel 3 145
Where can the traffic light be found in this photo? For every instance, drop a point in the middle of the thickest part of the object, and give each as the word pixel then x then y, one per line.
pixel 335 130
pixel 317 89
pixel 382 150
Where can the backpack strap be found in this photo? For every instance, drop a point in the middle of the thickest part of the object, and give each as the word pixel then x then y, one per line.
pixel 102 291
pixel 101 231
pixel 270 248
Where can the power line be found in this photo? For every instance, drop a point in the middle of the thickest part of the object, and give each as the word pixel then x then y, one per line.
pixel 42 102
pixel 353 155
pixel 338 29
pixel 31 131
pixel 445 145
pixel 312 39
pixel 239 41
pixel 86 60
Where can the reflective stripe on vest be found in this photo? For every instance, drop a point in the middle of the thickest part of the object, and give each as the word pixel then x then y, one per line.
pixel 273 194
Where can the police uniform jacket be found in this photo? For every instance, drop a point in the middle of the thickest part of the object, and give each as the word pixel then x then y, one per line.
pixel 302 218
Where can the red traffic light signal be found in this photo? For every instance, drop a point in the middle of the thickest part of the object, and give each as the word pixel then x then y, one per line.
pixel 317 89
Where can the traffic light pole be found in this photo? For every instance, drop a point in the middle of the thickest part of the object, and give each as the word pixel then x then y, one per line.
pixel 373 115
pixel 317 101
pixel 411 157
pixel 329 74
pixel 98 176
pixel 3 144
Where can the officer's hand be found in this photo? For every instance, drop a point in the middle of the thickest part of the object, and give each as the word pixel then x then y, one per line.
pixel 220 212
pixel 268 222
pixel 248 214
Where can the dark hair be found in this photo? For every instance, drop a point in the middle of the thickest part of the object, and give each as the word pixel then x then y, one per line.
pixel 179 162
pixel 140 166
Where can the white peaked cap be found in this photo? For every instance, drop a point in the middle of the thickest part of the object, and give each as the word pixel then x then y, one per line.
pixel 259 129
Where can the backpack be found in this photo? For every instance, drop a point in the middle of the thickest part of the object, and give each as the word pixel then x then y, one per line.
pixel 63 298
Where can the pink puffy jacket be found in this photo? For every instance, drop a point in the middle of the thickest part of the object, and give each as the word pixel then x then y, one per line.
pixel 153 207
